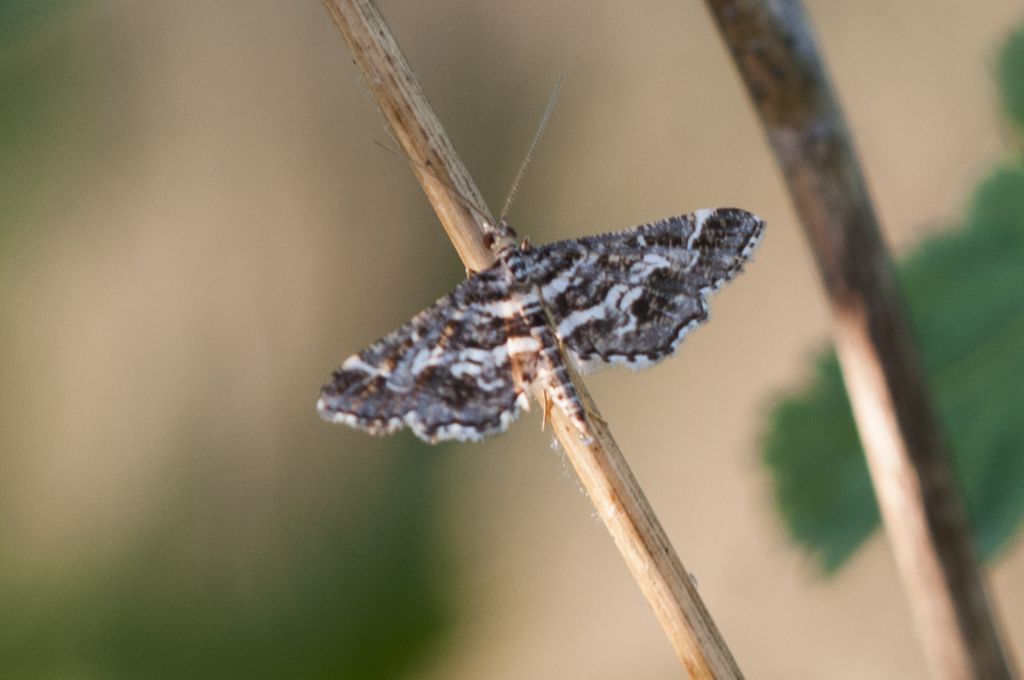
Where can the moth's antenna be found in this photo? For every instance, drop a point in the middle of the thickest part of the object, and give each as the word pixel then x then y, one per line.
pixel 387 148
pixel 533 145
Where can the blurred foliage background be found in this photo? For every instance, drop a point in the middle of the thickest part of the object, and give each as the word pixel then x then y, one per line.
pixel 965 294
pixel 198 222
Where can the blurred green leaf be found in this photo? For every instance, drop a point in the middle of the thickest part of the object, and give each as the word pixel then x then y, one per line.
pixel 965 297
pixel 965 294
pixel 1010 75
pixel 822 487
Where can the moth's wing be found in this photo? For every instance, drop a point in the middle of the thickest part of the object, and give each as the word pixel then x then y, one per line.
pixel 446 373
pixel 630 297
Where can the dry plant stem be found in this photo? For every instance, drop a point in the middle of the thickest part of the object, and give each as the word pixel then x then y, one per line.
pixel 774 48
pixel 619 500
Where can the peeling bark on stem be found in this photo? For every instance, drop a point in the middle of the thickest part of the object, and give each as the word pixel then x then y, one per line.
pixel 775 51
pixel 602 468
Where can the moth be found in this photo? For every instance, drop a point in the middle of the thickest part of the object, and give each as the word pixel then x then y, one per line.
pixel 464 367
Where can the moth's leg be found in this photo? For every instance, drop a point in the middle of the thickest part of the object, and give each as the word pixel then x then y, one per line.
pixel 546 413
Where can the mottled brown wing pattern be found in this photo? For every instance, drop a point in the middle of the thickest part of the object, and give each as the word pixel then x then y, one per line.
pixel 446 374
pixel 462 368
pixel 630 297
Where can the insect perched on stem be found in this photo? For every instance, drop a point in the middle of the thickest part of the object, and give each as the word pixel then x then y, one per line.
pixel 463 367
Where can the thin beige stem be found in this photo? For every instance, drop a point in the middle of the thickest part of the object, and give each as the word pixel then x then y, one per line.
pixel 778 58
pixel 602 469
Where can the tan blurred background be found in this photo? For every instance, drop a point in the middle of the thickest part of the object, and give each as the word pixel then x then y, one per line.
pixel 201 221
